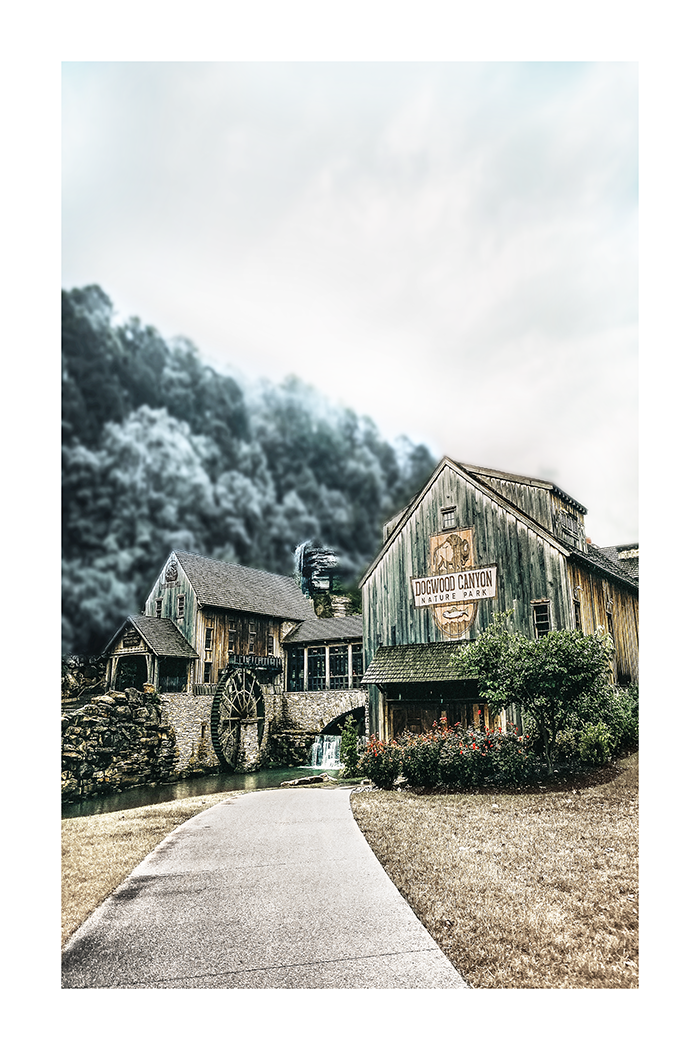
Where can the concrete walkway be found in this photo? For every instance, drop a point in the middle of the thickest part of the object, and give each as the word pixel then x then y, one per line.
pixel 273 889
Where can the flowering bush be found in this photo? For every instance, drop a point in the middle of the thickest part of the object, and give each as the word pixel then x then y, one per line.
pixel 381 762
pixel 420 756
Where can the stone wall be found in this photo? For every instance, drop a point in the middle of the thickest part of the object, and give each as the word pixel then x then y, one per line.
pixel 190 717
pixel 311 712
pixel 117 741
pixel 126 739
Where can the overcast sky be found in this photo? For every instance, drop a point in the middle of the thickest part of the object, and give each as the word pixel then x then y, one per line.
pixel 450 248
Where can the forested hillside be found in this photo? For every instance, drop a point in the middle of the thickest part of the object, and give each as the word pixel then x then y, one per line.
pixel 162 452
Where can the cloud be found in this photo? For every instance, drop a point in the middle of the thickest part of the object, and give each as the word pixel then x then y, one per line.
pixel 391 232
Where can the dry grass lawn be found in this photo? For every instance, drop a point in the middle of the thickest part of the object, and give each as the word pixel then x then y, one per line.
pixel 98 852
pixel 521 890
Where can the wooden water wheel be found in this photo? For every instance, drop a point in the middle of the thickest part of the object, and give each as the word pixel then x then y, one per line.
pixel 238 700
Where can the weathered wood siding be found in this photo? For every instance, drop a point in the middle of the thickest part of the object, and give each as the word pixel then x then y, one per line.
pixel 599 594
pixel 529 567
pixel 169 592
pixel 251 635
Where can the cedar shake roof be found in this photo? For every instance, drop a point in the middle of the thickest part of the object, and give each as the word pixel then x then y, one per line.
pixel 237 587
pixel 162 636
pixel 431 662
pixel 624 556
pixel 327 629
pixel 595 558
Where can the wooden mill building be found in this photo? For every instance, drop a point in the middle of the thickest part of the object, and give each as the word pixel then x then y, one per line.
pixel 236 653
pixel 472 543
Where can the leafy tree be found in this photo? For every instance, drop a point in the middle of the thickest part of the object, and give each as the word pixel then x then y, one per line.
pixel 551 679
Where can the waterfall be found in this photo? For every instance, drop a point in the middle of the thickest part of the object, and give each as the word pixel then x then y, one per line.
pixel 325 752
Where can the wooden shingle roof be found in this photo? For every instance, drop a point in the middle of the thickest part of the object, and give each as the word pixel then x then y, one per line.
pixel 431 662
pixel 162 636
pixel 240 588
pixel 327 629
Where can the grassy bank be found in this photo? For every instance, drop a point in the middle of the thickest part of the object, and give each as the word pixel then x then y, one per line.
pixel 98 852
pixel 535 890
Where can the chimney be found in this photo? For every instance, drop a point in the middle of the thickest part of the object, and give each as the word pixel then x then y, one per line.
pixel 340 605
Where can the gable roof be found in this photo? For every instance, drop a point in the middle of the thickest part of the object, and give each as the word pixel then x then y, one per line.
pixel 470 474
pixel 430 662
pixel 229 586
pixel 624 556
pixel 327 629
pixel 162 636
pixel 523 479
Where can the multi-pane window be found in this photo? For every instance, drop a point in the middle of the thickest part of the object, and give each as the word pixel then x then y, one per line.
pixel 270 645
pixel 338 663
pixel 448 517
pixel 180 605
pixel 207 671
pixel 159 608
pixel 610 625
pixel 357 663
pixel 542 620
pixel 295 670
pixel 208 637
pixel 317 668
pixel 231 642
pixel 252 636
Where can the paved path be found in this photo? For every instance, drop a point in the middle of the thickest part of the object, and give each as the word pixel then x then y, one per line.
pixel 273 889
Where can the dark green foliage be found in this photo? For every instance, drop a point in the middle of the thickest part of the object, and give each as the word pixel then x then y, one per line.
pixel 552 680
pixel 349 757
pixel 162 452
pixel 595 744
pixel 381 762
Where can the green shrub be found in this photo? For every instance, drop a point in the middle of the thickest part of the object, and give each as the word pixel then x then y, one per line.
pixel 381 762
pixel 567 746
pixel 512 758
pixel 349 757
pixel 596 746
pixel 420 759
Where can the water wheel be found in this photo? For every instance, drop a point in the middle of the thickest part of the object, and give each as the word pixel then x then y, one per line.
pixel 238 701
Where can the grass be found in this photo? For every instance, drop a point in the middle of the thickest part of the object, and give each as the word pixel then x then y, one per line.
pixel 527 890
pixel 98 852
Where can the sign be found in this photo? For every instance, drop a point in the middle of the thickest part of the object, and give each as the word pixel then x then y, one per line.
pixel 455 584
pixel 451 587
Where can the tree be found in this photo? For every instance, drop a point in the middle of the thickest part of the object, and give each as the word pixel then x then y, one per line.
pixel 551 679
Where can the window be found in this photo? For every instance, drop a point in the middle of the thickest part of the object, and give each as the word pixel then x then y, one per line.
pixel 317 669
pixel 295 670
pixel 252 636
pixel 610 625
pixel 577 615
pixel 159 607
pixel 393 634
pixel 448 517
pixel 270 645
pixel 357 667
pixel 338 663
pixel 231 642
pixel 543 624
pixel 207 671
pixel 208 637
pixel 180 605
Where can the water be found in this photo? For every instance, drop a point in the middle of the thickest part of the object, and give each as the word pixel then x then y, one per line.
pixel 325 752
pixel 192 788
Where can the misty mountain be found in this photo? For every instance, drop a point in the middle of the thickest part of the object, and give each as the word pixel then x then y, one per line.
pixel 160 451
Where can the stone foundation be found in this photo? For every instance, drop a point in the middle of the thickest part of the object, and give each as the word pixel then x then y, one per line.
pixel 126 739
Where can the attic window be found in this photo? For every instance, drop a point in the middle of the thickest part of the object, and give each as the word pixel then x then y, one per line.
pixel 180 605
pixel 541 617
pixel 448 517
pixel 159 607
